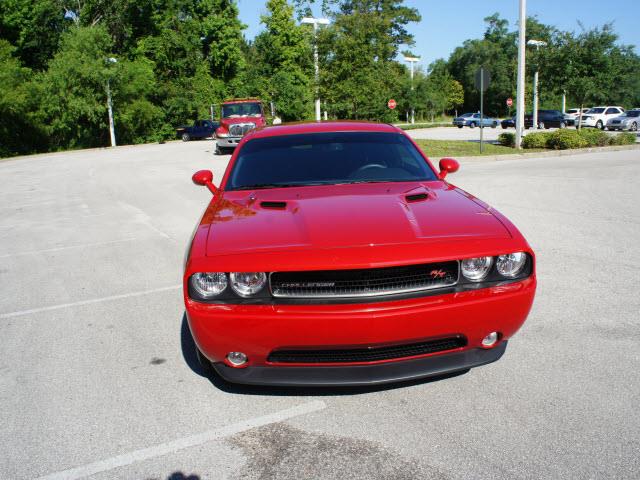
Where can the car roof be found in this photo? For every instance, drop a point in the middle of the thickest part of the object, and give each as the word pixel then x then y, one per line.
pixel 320 127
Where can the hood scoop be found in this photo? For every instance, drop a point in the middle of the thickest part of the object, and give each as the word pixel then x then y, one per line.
pixel 416 197
pixel 274 205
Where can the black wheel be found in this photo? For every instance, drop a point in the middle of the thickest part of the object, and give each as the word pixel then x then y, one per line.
pixel 204 362
pixel 600 125
pixel 186 137
pixel 494 125
pixel 633 127
pixel 504 127
pixel 460 126
pixel 472 125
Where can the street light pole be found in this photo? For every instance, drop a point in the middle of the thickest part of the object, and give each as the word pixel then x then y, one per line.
pixel 520 84
pixel 537 44
pixel 112 130
pixel 315 22
pixel 411 61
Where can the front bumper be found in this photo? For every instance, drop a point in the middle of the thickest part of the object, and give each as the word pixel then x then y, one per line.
pixel 591 122
pixel 257 330
pixel 228 142
pixel 377 374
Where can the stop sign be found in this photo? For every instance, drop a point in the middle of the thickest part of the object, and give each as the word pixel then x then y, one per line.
pixel 391 104
pixel 509 102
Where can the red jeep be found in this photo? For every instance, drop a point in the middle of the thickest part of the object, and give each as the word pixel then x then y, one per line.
pixel 238 117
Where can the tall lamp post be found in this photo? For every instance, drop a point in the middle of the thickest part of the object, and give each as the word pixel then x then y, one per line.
pixel 537 44
pixel 411 61
pixel 520 85
pixel 112 130
pixel 315 22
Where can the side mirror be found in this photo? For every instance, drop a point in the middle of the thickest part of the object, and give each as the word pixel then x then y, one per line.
pixel 205 179
pixel 447 165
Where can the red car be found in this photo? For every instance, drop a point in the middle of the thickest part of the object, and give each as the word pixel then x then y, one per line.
pixel 336 254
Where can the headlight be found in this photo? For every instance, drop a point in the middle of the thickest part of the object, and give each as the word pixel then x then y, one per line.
pixel 511 264
pixel 209 284
pixel 246 284
pixel 475 269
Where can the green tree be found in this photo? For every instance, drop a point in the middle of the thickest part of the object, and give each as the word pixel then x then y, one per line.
pixel 18 133
pixel 359 71
pixel 34 28
pixel 283 51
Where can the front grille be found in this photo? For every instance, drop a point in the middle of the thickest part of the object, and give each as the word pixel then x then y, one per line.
pixel 365 282
pixel 367 354
pixel 241 129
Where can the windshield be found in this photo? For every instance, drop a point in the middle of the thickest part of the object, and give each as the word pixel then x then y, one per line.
pixel 245 109
pixel 327 159
pixel 465 115
pixel 595 110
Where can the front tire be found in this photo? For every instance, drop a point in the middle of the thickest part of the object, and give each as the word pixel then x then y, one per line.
pixel 600 125
pixel 472 125
pixel 460 126
pixel 494 125
pixel 186 137
pixel 562 125
pixel 633 127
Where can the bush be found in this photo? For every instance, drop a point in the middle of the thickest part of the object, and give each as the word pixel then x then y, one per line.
pixel 536 140
pixel 507 139
pixel 624 139
pixel 595 137
pixel 565 139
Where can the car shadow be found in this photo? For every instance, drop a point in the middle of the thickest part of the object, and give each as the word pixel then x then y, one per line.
pixel 189 354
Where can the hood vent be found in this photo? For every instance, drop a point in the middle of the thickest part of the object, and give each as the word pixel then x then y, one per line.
pixel 416 197
pixel 276 205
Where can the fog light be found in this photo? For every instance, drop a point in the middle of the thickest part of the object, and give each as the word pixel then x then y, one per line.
pixel 490 340
pixel 236 358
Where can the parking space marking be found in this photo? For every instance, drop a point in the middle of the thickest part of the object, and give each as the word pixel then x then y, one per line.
pixel 184 442
pixel 57 249
pixel 87 302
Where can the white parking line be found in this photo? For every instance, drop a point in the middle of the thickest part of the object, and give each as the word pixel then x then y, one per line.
pixel 182 443
pixel 87 302
pixel 57 249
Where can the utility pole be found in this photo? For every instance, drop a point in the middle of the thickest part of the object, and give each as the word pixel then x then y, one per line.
pixel 411 61
pixel 112 130
pixel 521 64
pixel 315 22
pixel 537 44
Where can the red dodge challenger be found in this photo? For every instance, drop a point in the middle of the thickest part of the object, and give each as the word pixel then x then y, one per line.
pixel 336 254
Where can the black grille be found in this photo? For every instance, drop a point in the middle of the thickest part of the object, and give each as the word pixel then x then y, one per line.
pixel 367 354
pixel 364 282
pixel 241 129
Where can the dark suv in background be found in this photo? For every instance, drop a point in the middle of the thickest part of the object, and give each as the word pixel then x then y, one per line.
pixel 546 119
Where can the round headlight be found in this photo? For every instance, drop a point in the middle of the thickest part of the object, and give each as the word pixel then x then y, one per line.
pixel 475 269
pixel 246 284
pixel 209 284
pixel 511 264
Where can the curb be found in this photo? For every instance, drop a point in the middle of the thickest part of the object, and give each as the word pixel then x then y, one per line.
pixel 550 153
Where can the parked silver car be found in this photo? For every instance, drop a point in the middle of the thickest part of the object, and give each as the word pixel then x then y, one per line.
pixel 473 120
pixel 627 121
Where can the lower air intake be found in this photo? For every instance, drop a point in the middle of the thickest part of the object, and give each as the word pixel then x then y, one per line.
pixel 372 354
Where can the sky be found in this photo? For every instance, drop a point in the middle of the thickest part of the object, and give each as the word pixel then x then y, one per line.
pixel 446 24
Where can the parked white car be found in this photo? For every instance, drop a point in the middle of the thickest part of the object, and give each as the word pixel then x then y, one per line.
pixel 599 116
pixel 571 115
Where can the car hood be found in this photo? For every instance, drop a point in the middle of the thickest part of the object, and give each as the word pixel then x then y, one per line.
pixel 346 216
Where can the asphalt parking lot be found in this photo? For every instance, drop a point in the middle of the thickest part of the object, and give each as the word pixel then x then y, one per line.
pixel 98 377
